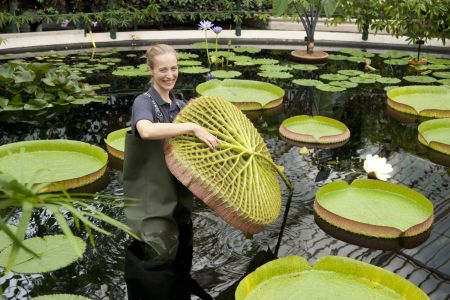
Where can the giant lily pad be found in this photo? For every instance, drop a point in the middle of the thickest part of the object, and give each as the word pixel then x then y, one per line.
pixel 427 101
pixel 239 180
pixel 61 297
pixel 315 130
pixel 374 208
pixel 115 142
pixel 245 94
pixel 48 249
pixel 332 277
pixel 64 163
pixel 436 134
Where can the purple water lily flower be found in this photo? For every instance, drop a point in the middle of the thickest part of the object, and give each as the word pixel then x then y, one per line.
pixel 217 29
pixel 205 25
pixel 65 23
pixel 209 76
pixel 94 24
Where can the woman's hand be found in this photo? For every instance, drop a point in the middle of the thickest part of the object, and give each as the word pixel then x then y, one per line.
pixel 210 140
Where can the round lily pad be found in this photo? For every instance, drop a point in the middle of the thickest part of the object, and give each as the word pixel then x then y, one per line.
pixel 307 82
pixel 330 88
pixel 343 84
pixel 5 240
pixel 189 63
pixel 245 94
pixel 350 72
pixel 194 70
pixel 64 163
pixel 362 80
pixel 275 74
pixel 238 180
pixel 304 67
pixel 276 68
pixel 186 55
pixel 248 49
pixel 115 142
pixel 442 74
pixel 61 297
pixel 396 61
pixel 240 58
pixel 333 77
pixel 420 79
pixel 436 134
pixel 130 71
pixel 49 250
pixel 225 74
pixel 388 80
pixel 423 100
pixel 314 130
pixel 437 67
pixel 394 54
pixel 374 208
pixel 265 61
pixel 332 277
pixel 445 81
pixel 337 57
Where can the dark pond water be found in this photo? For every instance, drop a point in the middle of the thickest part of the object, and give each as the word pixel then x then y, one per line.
pixel 222 254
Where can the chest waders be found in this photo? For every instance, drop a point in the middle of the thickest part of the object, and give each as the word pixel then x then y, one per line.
pixel 159 266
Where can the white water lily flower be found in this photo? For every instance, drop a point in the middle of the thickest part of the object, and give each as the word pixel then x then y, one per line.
pixel 376 167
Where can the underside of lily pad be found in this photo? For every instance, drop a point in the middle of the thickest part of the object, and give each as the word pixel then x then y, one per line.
pixel 314 57
pixel 239 180
pixel 115 142
pixel 374 208
pixel 423 100
pixel 332 277
pixel 314 130
pixel 60 163
pixel 245 94
pixel 436 134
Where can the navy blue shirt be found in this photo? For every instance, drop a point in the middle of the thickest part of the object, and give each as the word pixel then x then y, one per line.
pixel 143 109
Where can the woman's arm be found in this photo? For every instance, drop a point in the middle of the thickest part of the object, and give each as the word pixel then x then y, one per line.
pixel 157 131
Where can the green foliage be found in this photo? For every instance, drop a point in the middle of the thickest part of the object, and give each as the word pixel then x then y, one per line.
pixel 34 86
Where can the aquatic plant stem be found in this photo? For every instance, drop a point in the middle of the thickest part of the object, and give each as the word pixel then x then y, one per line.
pixel 206 46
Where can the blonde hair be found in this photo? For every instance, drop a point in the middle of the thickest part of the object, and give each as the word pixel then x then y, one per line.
pixel 158 49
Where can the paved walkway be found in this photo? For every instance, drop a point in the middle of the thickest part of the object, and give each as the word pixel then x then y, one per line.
pixel 277 33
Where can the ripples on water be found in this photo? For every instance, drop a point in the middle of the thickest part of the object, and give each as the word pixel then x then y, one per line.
pixel 222 254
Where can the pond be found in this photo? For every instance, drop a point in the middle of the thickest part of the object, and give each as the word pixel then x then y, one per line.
pixel 222 253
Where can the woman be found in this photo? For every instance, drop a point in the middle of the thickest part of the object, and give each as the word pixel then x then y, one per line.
pixel 162 215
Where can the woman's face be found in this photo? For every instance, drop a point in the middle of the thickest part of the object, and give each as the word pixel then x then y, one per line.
pixel 164 72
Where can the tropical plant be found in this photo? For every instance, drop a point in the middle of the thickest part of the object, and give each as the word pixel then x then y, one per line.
pixel 308 11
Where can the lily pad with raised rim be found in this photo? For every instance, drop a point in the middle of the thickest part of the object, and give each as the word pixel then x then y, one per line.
pixel 48 249
pixel 245 94
pixel 64 163
pixel 332 277
pixel 374 208
pixel 238 180
pixel 115 142
pixel 314 130
pixel 436 134
pixel 61 297
pixel 423 100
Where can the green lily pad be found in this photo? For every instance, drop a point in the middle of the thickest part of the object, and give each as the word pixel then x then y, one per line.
pixel 330 88
pixel 63 162
pixel 350 72
pixel 314 130
pixel 307 82
pixel 357 53
pixel 333 77
pixel 362 80
pixel 265 61
pixel 357 59
pixel 275 74
pixel 61 297
pixel 423 100
pixel 370 75
pixel 337 57
pixel 115 142
pixel 437 67
pixel 248 49
pixel 5 240
pixel 343 84
pixel 276 68
pixel 130 71
pixel 438 61
pixel 394 54
pixel 420 79
pixel 436 134
pixel 374 208
pixel 445 81
pixel 244 63
pixel 388 80
pixel 240 58
pixel 194 70
pixel 203 45
pixel 304 67
pixel 396 61
pixel 49 250
pixel 189 63
pixel 186 55
pixel 226 74
pixel 245 94
pixel 445 75
pixel 222 53
pixel 332 277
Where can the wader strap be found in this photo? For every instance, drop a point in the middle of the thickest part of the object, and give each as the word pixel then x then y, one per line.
pixel 159 115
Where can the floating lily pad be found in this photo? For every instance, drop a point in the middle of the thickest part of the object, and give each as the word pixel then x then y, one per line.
pixel 222 53
pixel 438 61
pixel 63 162
pixel 362 80
pixel 436 134
pixel 307 82
pixel 275 74
pixel 333 77
pixel 245 94
pixel 49 250
pixel 265 61
pixel 5 240
pixel 203 45
pixel 357 53
pixel 314 130
pixel 276 68
pixel 397 62
pixel 330 88
pixel 350 72
pixel 357 59
pixel 370 75
pixel 186 55
pixel 394 54
pixel 238 180
pixel 115 142
pixel 130 71
pixel 61 297
pixel 189 63
pixel 437 67
pixel 344 84
pixel 244 63
pixel 388 80
pixel 374 208
pixel 441 81
pixel 332 277
pixel 423 100
pixel 248 49
pixel 226 74
pixel 337 57
pixel 194 70
pixel 240 58
pixel 445 75
pixel 304 67
pixel 420 79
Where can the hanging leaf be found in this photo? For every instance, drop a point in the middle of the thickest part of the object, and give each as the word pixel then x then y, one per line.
pixel 239 180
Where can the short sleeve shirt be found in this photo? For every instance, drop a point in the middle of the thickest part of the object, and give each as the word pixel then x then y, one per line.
pixel 143 108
